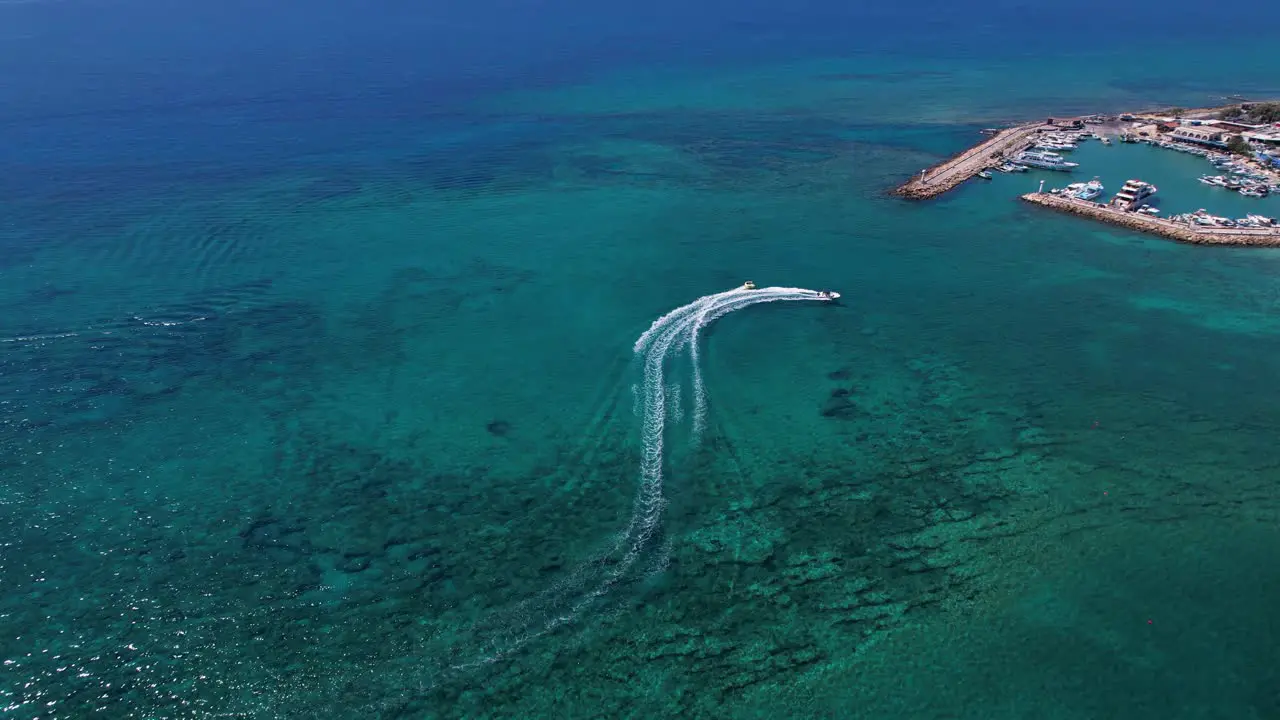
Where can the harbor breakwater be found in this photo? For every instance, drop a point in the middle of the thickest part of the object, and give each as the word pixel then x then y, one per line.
pixel 947 175
pixel 1259 237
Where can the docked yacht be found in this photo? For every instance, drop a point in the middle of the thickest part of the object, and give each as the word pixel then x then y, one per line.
pixel 1043 160
pixel 1133 193
pixel 1086 191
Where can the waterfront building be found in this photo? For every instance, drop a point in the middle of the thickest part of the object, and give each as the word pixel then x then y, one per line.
pixel 1238 127
pixel 1200 135
pixel 1265 137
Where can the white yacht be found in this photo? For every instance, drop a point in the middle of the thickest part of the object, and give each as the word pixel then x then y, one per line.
pixel 1086 191
pixel 1043 160
pixel 1133 193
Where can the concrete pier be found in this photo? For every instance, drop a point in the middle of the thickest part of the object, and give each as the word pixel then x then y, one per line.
pixel 1260 237
pixel 947 175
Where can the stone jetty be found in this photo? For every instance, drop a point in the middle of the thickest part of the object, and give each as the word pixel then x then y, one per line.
pixel 1261 237
pixel 947 175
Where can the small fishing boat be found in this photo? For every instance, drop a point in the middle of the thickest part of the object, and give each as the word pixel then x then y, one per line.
pixel 985 174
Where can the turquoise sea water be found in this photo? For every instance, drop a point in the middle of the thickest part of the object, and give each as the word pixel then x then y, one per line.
pixel 319 395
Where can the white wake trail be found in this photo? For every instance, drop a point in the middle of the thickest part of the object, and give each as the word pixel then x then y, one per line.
pixel 664 340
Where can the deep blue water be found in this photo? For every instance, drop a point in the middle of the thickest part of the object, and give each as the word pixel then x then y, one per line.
pixel 320 393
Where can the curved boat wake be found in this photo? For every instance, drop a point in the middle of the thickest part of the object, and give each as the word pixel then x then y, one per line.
pixel 666 338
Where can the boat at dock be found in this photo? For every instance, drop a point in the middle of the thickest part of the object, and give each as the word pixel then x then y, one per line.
pixel 1133 193
pixel 1044 160
pixel 1086 191
pixel 984 174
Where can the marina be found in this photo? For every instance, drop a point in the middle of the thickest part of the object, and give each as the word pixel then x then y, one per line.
pixel 1218 171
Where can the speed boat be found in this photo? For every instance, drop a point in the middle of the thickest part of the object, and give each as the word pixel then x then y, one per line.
pixel 828 295
pixel 1089 190
pixel 748 285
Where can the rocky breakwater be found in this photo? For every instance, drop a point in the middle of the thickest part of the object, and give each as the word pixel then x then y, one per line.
pixel 1261 237
pixel 947 175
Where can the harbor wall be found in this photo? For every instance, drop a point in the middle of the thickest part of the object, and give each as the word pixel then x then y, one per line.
pixel 947 175
pixel 1259 237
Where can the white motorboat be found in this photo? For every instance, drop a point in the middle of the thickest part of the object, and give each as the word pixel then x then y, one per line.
pixel 1133 193
pixel 1044 160
pixel 1089 190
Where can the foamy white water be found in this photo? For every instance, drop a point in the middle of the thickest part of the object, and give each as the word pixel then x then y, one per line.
pixel 656 398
